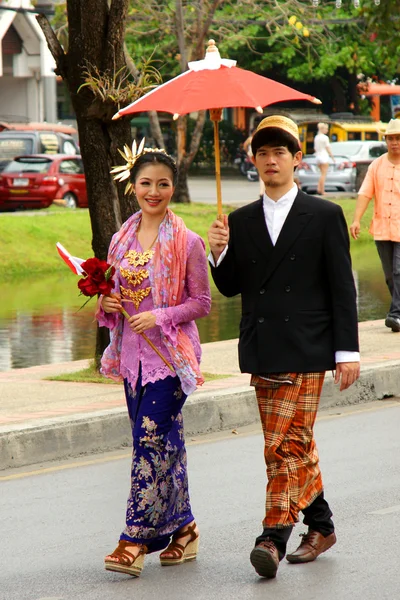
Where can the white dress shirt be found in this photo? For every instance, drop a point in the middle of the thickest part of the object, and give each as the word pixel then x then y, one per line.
pixel 275 213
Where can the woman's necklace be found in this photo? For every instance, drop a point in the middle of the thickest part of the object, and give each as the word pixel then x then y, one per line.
pixel 152 243
pixel 139 259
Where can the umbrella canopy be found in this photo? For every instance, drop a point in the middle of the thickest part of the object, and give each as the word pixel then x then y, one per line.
pixel 214 83
pixel 206 89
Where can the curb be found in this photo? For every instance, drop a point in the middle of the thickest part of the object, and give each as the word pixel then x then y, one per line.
pixel 204 412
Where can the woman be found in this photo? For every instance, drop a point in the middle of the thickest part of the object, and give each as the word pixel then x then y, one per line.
pixel 162 282
pixel 322 153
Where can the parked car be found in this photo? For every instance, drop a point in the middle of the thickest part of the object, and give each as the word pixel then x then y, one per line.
pixel 27 141
pixel 36 180
pixel 341 174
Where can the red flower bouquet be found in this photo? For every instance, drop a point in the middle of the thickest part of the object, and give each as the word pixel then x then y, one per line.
pixel 98 278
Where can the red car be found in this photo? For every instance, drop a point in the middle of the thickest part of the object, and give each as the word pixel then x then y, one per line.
pixel 36 180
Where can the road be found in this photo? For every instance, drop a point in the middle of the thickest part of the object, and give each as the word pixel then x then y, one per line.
pixel 236 191
pixel 57 525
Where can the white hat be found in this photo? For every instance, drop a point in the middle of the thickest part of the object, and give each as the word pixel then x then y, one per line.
pixel 393 127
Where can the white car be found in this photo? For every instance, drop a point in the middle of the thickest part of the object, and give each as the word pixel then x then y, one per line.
pixel 342 173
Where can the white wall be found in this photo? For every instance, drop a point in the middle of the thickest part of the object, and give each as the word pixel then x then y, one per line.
pixel 30 90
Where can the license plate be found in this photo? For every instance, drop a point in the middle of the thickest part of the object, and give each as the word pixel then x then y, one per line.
pixel 18 182
pixel 19 191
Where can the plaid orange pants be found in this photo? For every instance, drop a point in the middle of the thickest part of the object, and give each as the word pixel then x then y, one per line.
pixel 288 405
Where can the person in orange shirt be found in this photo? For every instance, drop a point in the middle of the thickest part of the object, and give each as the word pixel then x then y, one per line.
pixel 382 182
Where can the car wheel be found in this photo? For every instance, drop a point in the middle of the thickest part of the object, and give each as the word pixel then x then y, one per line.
pixel 70 200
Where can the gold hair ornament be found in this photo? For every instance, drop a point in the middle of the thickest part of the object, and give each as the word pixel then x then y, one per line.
pixel 130 155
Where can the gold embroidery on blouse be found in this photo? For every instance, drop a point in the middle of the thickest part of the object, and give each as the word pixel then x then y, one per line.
pixel 137 259
pixel 136 296
pixel 134 277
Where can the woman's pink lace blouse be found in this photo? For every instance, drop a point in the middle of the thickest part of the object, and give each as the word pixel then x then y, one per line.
pixel 196 303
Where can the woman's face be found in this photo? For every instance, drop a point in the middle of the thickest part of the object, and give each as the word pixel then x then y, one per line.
pixel 154 188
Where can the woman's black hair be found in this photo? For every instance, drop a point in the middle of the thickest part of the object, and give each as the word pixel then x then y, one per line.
pixel 274 136
pixel 154 157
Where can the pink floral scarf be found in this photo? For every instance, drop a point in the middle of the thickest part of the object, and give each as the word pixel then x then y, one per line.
pixel 167 279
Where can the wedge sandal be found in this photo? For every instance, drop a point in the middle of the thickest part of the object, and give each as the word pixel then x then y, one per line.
pixel 180 553
pixel 127 562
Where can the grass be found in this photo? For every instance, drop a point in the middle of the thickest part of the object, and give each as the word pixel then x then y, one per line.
pixel 91 375
pixel 27 242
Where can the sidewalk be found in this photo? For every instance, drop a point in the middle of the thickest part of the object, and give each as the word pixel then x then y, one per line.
pixel 45 420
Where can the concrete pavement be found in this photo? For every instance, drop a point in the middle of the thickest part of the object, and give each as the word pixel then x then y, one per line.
pixel 43 420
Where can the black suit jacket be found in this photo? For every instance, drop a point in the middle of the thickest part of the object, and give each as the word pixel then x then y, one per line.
pixel 298 297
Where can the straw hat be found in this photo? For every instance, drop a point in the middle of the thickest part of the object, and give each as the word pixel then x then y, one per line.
pixel 276 122
pixel 393 127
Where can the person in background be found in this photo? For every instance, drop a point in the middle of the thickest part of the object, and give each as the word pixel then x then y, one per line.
pixel 162 279
pixel 249 152
pixel 382 182
pixel 288 256
pixel 322 154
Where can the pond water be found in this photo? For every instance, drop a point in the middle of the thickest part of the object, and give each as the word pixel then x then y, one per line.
pixel 40 320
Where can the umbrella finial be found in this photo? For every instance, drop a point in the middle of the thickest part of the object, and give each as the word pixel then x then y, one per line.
pixel 211 46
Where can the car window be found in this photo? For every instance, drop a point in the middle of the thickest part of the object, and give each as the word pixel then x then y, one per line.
pixel 68 147
pixel 12 146
pixel 376 151
pixel 354 135
pixel 28 165
pixel 49 143
pixel 71 167
pixel 345 148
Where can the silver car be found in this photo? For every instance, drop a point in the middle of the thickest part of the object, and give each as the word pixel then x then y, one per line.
pixel 342 173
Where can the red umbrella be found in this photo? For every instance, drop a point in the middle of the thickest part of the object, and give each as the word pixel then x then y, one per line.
pixel 213 84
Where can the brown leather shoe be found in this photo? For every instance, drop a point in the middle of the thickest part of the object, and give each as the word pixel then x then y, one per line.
pixel 265 559
pixel 311 546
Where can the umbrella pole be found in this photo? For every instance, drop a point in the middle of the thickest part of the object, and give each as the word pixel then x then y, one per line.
pixel 216 116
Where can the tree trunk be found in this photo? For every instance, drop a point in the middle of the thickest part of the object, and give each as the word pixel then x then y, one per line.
pixel 182 194
pixel 354 94
pixel 182 189
pixel 340 101
pixel 155 129
pixel 96 38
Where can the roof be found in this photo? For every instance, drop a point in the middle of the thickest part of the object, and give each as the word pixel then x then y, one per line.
pixel 49 156
pixel 57 127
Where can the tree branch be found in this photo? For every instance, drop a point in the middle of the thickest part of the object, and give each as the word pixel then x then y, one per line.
pixel 180 34
pixel 53 44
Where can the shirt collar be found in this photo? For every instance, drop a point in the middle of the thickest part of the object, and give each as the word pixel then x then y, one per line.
pixel 289 197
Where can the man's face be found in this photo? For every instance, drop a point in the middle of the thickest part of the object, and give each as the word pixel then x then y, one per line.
pixel 275 165
pixel 393 144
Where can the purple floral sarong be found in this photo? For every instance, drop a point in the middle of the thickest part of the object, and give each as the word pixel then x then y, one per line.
pixel 158 504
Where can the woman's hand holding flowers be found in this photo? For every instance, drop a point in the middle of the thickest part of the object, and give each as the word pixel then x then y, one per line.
pixel 111 304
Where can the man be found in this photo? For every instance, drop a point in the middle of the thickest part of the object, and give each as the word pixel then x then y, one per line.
pixel 382 182
pixel 288 257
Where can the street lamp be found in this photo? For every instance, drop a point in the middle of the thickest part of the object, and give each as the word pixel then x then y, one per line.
pixel 339 3
pixel 45 7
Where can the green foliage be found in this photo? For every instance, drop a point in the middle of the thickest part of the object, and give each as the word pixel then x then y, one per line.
pixel 118 87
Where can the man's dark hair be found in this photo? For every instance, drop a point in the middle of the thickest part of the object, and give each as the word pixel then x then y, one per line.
pixel 274 136
pixel 154 157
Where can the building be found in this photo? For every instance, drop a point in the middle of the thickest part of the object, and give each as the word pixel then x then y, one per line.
pixel 27 78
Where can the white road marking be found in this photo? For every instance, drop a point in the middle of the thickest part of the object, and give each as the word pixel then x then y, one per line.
pixel 386 511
